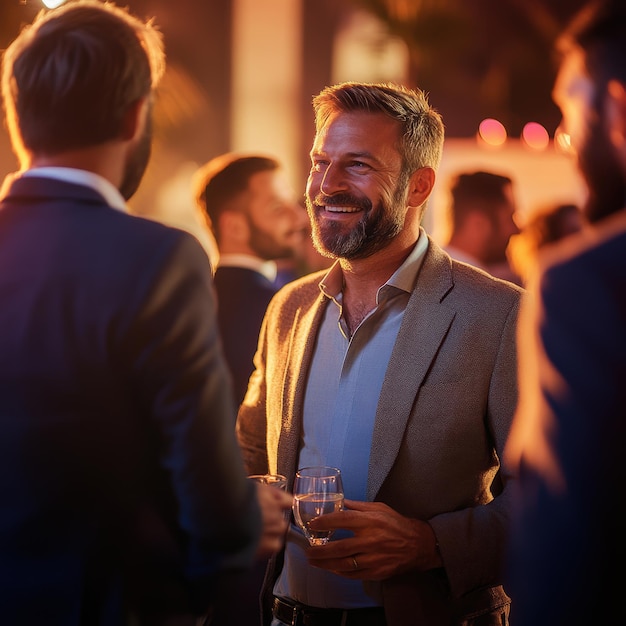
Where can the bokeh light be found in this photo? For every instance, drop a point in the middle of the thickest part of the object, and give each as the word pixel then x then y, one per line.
pixel 492 132
pixel 535 136
pixel 562 141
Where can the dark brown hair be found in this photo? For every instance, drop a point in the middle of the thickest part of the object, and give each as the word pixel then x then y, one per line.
pixel 69 78
pixel 223 179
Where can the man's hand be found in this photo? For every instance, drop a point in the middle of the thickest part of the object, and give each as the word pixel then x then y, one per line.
pixel 384 544
pixel 273 502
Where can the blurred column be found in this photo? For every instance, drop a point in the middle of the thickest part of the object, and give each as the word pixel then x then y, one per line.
pixel 266 81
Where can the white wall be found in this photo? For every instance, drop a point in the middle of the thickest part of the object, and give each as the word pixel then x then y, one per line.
pixel 266 80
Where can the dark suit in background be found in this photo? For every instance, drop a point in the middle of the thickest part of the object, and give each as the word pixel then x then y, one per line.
pixel 255 219
pixel 243 295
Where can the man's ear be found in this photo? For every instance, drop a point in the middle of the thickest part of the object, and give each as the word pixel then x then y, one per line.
pixel 615 109
pixel 421 184
pixel 134 119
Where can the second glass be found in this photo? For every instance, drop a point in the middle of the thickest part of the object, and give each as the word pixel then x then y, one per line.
pixel 276 480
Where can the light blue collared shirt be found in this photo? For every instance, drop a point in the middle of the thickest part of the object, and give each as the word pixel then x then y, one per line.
pixel 344 384
pixel 82 177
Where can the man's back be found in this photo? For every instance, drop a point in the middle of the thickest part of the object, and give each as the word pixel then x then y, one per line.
pixel 90 382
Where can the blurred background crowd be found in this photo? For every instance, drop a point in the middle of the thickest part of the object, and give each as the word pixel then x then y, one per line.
pixel 241 75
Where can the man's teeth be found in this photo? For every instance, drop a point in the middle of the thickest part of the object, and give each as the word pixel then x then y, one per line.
pixel 342 209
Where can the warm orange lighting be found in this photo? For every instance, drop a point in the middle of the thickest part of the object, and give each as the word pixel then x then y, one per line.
pixel 535 136
pixel 492 132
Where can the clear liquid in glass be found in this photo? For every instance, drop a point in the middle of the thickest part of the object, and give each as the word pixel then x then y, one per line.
pixel 309 506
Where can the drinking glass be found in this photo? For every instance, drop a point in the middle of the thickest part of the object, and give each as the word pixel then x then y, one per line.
pixel 317 490
pixel 275 480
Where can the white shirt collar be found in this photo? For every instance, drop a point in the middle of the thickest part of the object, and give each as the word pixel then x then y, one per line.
pixel 267 268
pixel 82 177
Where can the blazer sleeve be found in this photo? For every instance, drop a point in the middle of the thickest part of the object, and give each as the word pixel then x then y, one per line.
pixel 473 540
pixel 171 340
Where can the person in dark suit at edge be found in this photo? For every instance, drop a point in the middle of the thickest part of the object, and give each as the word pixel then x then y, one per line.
pixel 124 497
pixel 567 439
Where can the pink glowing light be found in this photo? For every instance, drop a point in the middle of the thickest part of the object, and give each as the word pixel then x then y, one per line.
pixel 492 132
pixel 535 136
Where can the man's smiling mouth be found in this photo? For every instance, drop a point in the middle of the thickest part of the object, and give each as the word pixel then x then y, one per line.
pixel 341 209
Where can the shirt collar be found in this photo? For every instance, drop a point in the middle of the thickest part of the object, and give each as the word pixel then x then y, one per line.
pixel 403 278
pixel 82 177
pixel 266 268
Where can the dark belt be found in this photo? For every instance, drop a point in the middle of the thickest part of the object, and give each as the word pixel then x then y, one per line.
pixel 296 614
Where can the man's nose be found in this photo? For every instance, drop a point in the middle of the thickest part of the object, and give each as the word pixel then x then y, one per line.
pixel 332 181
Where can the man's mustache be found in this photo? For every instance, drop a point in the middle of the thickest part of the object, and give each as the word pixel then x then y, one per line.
pixel 343 199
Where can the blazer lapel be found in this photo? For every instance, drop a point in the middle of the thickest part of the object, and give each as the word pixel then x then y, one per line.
pixel 424 326
pixel 298 359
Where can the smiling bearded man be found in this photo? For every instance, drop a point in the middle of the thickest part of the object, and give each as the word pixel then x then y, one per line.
pixel 396 365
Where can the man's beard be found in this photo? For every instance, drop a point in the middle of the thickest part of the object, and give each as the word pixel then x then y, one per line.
pixel 605 179
pixel 137 162
pixel 265 245
pixel 377 226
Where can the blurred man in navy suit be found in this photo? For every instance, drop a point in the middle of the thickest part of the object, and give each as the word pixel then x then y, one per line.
pixel 568 434
pixel 122 490
pixel 256 221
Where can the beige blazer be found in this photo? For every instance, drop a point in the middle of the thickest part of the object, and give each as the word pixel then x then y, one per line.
pixel 442 420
